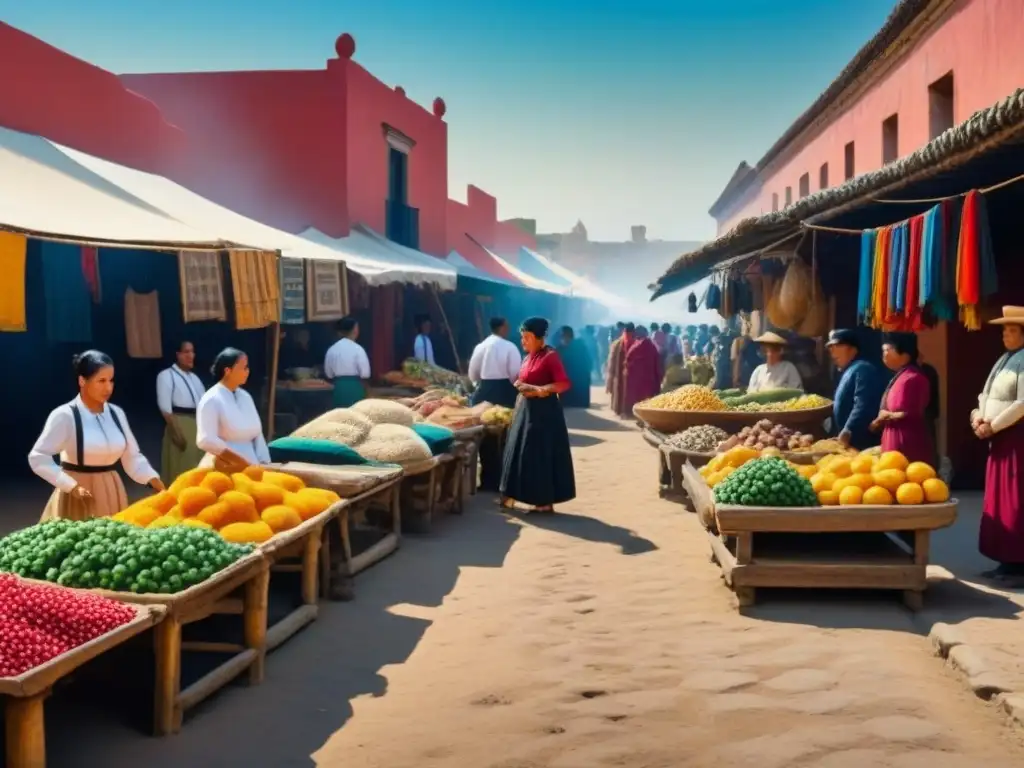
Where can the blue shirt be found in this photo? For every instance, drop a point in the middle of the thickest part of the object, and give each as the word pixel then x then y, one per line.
pixel 857 400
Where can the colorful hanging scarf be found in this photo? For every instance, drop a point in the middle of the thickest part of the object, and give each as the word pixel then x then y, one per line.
pixel 867 269
pixel 880 283
pixel 987 256
pixel 931 257
pixel 900 272
pixel 912 281
pixel 968 264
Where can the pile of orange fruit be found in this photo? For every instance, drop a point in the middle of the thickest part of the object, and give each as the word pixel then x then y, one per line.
pixel 875 480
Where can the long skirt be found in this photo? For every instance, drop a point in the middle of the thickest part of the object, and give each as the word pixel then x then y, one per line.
pixel 496 392
pixel 173 460
pixel 537 467
pixel 348 390
pixel 1002 524
pixel 108 498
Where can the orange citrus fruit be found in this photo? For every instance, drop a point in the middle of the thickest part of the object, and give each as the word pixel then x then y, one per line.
pixel 828 498
pixel 877 497
pixel 851 494
pixel 890 479
pixel 935 491
pixel 910 493
pixel 862 465
pixel 918 472
pixel 892 460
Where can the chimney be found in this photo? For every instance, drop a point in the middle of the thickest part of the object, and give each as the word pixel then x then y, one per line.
pixel 639 234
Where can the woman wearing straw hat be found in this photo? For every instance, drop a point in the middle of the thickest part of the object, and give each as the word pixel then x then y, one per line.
pixel 774 372
pixel 997 419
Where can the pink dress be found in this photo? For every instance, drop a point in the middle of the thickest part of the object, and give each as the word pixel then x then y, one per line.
pixel 909 393
pixel 643 373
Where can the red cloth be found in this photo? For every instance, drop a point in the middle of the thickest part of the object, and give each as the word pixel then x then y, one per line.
pixel 543 368
pixel 643 373
pixel 1002 524
pixel 91 270
pixel 968 261
pixel 909 394
pixel 617 374
pixel 911 310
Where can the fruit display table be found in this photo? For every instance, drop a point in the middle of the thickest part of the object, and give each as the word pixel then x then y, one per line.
pixel 24 696
pixel 849 547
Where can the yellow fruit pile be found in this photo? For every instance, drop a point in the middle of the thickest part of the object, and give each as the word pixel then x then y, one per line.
pixel 876 480
pixel 245 508
pixel 724 464
pixel 690 397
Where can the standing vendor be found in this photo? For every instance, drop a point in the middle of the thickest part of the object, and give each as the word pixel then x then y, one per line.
pixel 576 362
pixel 229 428
pixel 774 372
pixel 91 436
pixel 997 419
pixel 347 366
pixel 422 346
pixel 902 419
pixel 178 391
pixel 858 392
pixel 494 367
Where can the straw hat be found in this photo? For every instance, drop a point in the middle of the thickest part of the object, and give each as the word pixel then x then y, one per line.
pixel 775 339
pixel 1011 316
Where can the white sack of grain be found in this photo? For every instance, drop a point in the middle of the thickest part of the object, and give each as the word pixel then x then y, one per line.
pixel 776 316
pixel 815 322
pixel 385 412
pixel 795 291
pixel 394 444
pixel 342 425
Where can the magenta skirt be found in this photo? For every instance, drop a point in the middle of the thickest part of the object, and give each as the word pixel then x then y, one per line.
pixel 1002 524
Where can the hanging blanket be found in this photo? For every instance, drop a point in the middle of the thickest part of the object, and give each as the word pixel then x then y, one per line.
pixel 91 270
pixel 325 293
pixel 66 293
pixel 968 264
pixel 256 290
pixel 202 286
pixel 142 324
pixel 867 270
pixel 12 287
pixel 912 283
pixel 293 291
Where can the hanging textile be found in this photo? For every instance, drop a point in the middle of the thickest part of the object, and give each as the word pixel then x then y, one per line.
pixel 255 288
pixel 912 283
pixel 293 291
pixel 66 293
pixel 386 314
pixel 866 276
pixel 931 257
pixel 91 270
pixel 325 298
pixel 880 282
pixel 142 325
pixel 202 286
pixel 968 265
pixel 12 287
pixel 987 255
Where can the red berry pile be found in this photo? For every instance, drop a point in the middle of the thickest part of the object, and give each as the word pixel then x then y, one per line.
pixel 39 623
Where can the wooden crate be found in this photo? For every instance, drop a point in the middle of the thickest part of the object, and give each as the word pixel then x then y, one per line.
pixel 827 547
pixel 25 739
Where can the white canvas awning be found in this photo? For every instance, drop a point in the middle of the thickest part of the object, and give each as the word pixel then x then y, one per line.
pixel 47 194
pixel 381 261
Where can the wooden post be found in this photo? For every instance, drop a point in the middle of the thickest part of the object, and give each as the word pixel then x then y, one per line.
pixel 255 622
pixel 167 642
pixel 275 357
pixel 451 333
pixel 311 567
pixel 25 735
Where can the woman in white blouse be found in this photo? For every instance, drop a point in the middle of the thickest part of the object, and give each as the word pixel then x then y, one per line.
pixel 178 391
pixel 91 435
pixel 230 431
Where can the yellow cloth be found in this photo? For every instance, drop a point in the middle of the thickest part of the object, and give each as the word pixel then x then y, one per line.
pixel 254 282
pixel 12 286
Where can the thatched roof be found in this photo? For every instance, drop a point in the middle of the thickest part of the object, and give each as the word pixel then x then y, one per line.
pixel 897 22
pixel 740 177
pixel 983 131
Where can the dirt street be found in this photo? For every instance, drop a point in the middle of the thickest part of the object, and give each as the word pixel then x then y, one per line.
pixel 598 637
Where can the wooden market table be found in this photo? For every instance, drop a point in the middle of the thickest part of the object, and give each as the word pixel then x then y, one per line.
pixel 470 438
pixel 25 695
pixel 838 547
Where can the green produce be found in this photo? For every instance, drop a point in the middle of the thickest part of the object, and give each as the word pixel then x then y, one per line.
pixel 767 482
pixel 108 554
pixel 763 398
pixel 730 393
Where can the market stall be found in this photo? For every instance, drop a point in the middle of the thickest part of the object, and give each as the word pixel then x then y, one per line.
pixel 851 521
pixel 25 685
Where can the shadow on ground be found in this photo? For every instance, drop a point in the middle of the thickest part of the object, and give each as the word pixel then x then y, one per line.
pixel 590 421
pixel 589 529
pixel 310 681
pixel 579 440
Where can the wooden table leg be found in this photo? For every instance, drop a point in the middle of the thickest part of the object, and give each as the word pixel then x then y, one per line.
pixel 914 599
pixel 744 554
pixel 25 732
pixel 346 540
pixel 167 647
pixel 311 568
pixel 255 622
pixel 432 488
pixel 396 509
pixel 325 558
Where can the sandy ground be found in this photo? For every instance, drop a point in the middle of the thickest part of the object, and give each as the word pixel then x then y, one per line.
pixel 601 636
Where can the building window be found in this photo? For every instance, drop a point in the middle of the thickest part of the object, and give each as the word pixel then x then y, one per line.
pixel 940 105
pixel 849 162
pixel 823 176
pixel 805 185
pixel 890 139
pixel 789 196
pixel 775 201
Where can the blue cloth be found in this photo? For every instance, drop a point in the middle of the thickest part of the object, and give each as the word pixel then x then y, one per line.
pixel 66 294
pixel 899 264
pixel 310 451
pixel 440 439
pixel 931 257
pixel 867 271
pixel 856 403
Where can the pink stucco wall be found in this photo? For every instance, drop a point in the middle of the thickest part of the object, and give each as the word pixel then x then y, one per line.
pixel 979 41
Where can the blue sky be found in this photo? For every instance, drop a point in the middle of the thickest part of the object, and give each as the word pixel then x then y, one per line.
pixel 614 112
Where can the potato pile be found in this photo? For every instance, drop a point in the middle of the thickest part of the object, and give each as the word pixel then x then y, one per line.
pixel 690 397
pixel 764 434
pixel 247 507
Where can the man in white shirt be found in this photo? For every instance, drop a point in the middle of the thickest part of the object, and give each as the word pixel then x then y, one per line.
pixel 494 367
pixel 423 347
pixel 774 373
pixel 347 365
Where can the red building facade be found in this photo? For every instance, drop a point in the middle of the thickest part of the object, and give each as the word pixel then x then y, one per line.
pixel 932 65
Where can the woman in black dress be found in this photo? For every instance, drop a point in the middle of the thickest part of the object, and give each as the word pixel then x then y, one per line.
pixel 537 468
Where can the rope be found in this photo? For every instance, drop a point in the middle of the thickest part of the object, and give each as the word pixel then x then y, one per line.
pixel 983 191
